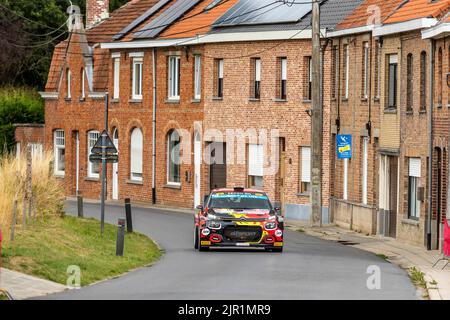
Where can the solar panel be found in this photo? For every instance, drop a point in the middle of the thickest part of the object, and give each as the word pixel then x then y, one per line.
pixel 171 14
pixel 147 14
pixel 247 12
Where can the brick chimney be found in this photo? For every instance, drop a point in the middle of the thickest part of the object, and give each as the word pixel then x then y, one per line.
pixel 96 11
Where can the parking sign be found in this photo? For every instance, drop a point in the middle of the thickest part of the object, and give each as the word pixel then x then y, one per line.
pixel 344 146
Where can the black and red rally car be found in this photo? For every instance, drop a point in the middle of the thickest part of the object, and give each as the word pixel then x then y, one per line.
pixel 238 218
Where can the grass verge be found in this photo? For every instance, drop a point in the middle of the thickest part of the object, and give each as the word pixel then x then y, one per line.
pixel 50 245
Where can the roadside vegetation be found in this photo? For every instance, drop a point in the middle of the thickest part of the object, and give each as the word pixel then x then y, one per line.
pixel 51 244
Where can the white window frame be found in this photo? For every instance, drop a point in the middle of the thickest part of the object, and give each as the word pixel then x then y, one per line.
pixel 197 77
pixel 92 137
pixel 69 84
pixel 256 163
pixel 136 155
pixel 347 70
pixel 116 63
pixel 37 150
pixel 169 159
pixel 365 166
pixel 414 174
pixel 59 143
pixel 366 70
pixel 345 180
pixel 305 174
pixel 83 83
pixel 173 78
pixel 137 90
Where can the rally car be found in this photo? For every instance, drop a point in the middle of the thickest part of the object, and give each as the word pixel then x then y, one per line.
pixel 238 218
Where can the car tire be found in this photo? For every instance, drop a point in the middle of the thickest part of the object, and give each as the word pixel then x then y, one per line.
pixel 196 239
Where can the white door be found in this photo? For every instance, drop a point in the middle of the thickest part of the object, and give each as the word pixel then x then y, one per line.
pixel 197 169
pixel 115 182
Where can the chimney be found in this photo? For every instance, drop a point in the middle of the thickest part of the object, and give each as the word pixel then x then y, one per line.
pixel 96 11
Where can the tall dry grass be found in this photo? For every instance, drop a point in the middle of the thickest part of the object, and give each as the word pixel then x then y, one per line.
pixel 47 192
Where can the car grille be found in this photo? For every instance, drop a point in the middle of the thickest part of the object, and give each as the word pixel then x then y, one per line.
pixel 242 233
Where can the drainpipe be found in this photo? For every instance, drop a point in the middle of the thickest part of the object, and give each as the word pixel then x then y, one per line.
pixel 154 128
pixel 430 150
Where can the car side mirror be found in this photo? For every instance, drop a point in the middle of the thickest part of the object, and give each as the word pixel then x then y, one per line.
pixel 199 207
pixel 277 210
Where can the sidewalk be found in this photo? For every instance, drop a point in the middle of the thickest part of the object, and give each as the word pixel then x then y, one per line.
pixel 397 252
pixel 21 286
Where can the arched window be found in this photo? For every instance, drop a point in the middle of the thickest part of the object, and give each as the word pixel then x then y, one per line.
pixel 440 74
pixel 409 83
pixel 93 167
pixel 423 80
pixel 136 155
pixel 69 83
pixel 173 158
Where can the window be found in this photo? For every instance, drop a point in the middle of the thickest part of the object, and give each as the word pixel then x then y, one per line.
pixel 116 92
pixel 423 80
pixel 346 70
pixel 137 78
pixel 83 89
pixel 365 91
pixel 365 159
pixel 308 87
pixel 440 76
pixel 173 158
pixel 377 69
pixel 197 77
pixel 413 187
pixel 409 82
pixel 93 168
pixel 69 84
pixel 345 187
pixel 136 155
pixel 335 72
pixel 255 165
pixel 218 81
pixel 392 81
pixel 305 178
pixel 174 78
pixel 256 78
pixel 60 152
pixel 282 79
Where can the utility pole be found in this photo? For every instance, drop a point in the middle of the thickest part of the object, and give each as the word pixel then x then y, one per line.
pixel 103 195
pixel 316 118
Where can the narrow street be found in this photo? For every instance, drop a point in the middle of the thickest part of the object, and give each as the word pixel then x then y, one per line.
pixel 309 268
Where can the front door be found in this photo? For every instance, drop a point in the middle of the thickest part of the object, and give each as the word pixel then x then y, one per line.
pixel 218 168
pixel 115 182
pixel 393 183
pixel 197 169
pixel 387 222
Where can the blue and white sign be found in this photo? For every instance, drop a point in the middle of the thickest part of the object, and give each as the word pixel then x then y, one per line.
pixel 344 146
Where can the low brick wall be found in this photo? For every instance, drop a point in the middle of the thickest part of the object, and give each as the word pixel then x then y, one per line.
pixel 353 216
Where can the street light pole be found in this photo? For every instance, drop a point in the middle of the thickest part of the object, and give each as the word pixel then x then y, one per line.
pixel 103 195
pixel 316 126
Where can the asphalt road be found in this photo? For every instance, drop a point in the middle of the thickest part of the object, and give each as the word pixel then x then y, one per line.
pixel 309 268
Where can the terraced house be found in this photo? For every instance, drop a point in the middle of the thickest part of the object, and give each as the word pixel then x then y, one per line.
pixel 212 93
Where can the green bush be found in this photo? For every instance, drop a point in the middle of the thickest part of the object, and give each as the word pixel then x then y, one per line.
pixel 20 105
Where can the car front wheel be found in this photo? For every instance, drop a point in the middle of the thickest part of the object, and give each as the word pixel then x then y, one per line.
pixel 196 238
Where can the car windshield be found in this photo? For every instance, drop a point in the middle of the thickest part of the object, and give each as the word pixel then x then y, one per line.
pixel 236 200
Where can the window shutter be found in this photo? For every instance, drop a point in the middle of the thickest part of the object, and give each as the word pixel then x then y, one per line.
pixel 414 167
pixel 256 160
pixel 136 151
pixel 306 164
pixel 257 70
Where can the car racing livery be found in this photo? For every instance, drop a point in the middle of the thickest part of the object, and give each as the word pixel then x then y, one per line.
pixel 238 218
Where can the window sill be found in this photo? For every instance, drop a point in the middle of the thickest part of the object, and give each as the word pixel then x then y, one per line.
pixel 196 100
pixel 422 111
pixel 217 98
pixel 173 186
pixel 439 106
pixel 135 182
pixel 114 100
pixel 135 101
pixel 364 99
pixel 306 101
pixel 254 99
pixel 173 101
pixel 390 110
pixel 376 99
pixel 304 194
pixel 344 99
pixel 409 112
pixel 92 179
pixel 68 99
pixel 82 99
pixel 59 176
pixel 411 222
pixel 280 100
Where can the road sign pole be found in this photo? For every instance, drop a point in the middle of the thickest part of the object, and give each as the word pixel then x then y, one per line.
pixel 102 206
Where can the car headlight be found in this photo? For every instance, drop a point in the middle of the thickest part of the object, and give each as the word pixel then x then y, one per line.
pixel 211 217
pixel 214 225
pixel 206 232
pixel 270 225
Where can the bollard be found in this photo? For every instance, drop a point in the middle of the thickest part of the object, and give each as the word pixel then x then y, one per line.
pixel 80 206
pixel 128 215
pixel 120 237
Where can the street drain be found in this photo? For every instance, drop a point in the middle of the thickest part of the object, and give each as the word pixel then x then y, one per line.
pixel 347 243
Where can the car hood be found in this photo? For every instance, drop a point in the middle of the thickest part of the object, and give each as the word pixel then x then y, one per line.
pixel 243 214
